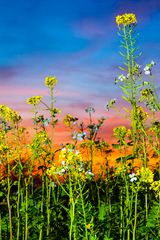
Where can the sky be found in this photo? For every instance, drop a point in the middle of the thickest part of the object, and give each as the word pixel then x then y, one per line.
pixel 76 41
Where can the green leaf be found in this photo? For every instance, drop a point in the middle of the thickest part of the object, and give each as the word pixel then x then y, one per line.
pixel 126 99
pixel 121 68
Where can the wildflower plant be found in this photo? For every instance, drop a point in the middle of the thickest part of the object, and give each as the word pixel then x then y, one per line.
pixel 56 193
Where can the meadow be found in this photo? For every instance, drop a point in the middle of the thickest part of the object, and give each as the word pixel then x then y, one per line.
pixel 49 192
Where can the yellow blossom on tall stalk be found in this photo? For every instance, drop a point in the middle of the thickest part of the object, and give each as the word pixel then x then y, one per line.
pixel 51 81
pixel 5 112
pixel 141 114
pixel 68 120
pixel 120 132
pixel 15 118
pixel 145 175
pixel 69 156
pixel 126 19
pixel 34 100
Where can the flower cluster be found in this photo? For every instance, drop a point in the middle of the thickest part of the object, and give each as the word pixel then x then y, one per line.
pixel 126 19
pixel 155 128
pixel 55 111
pixel 122 170
pixel 69 156
pixel 90 110
pixel 41 138
pixel 120 132
pixel 15 117
pixel 34 100
pixel 80 136
pixel 69 120
pixel 155 186
pixel 141 115
pixel 51 81
pixel 145 175
pixel 132 177
pixel 148 68
pixel 146 93
pixel 110 104
pixel 9 115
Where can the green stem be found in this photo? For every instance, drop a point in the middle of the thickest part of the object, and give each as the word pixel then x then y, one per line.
pixel 26 210
pixel 135 216
pixel 42 204
pixel 18 205
pixel 83 209
pixel 48 189
pixel 8 201
pixel 146 211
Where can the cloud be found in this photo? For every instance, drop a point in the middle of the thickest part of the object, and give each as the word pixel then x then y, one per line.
pixel 89 28
pixel 7 73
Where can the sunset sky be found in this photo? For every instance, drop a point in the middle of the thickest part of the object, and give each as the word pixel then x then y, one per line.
pixel 75 40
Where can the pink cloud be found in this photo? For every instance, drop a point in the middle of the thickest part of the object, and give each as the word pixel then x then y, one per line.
pixel 89 28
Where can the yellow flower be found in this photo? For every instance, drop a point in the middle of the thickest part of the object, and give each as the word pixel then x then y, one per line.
pixel 50 81
pixel 120 132
pixel 141 114
pixel 34 100
pixel 122 169
pixel 156 187
pixel 5 112
pixel 15 117
pixel 68 120
pixel 126 19
pixel 145 175
pixel 51 171
pixel 89 226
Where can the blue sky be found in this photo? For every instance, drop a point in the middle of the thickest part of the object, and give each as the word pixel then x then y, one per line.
pixel 75 40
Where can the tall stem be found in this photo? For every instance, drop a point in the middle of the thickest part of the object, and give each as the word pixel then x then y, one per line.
pixel 26 209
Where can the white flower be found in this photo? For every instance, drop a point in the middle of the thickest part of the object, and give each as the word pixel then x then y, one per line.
pixel 128 75
pixel 90 110
pixel 81 136
pixel 147 72
pixel 122 78
pixel 132 177
pixel 90 173
pixel 153 63
pixel 147 68
pixel 63 163
pixel 77 152
pixel 138 66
